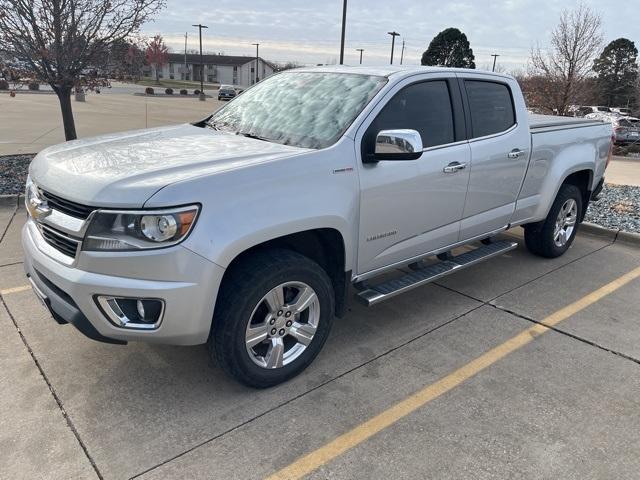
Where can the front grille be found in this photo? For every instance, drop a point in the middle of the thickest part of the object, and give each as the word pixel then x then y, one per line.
pixel 60 241
pixel 66 206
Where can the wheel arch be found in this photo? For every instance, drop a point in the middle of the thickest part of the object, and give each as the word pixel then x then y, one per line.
pixel 325 246
pixel 583 180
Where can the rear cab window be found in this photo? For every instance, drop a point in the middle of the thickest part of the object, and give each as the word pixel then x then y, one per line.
pixel 491 107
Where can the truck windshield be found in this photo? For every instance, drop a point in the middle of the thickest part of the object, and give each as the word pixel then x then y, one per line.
pixel 303 109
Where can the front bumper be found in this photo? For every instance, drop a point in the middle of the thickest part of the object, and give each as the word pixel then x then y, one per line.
pixel 186 282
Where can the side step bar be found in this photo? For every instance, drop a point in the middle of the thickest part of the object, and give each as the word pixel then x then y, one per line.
pixel 421 276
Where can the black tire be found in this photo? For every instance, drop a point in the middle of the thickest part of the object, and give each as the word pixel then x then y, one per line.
pixel 242 290
pixel 538 236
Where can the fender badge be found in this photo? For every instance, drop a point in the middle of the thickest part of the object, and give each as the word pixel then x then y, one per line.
pixel 381 235
pixel 343 170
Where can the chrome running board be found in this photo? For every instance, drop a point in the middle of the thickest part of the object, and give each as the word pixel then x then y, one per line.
pixel 373 294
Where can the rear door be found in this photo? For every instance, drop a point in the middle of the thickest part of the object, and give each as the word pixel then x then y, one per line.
pixel 410 207
pixel 500 144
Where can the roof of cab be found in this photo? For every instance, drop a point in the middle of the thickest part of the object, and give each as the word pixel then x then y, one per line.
pixel 394 70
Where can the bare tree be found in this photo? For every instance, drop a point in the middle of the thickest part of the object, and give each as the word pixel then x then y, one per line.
pixel 281 67
pixel 157 55
pixel 575 42
pixel 60 40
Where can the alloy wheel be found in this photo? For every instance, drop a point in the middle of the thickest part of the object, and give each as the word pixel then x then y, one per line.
pixel 282 325
pixel 565 222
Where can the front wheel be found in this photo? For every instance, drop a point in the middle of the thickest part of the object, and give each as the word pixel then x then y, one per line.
pixel 273 316
pixel 555 234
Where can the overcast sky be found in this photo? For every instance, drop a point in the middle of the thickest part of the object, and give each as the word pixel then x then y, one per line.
pixel 308 31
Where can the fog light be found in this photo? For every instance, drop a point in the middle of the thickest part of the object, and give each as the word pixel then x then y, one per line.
pixel 133 313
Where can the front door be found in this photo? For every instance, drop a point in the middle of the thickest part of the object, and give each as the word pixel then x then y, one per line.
pixel 411 207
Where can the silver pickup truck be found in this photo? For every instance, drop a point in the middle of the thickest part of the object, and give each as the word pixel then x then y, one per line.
pixel 246 230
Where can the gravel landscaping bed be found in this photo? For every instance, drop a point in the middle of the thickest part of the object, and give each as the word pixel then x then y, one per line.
pixel 618 206
pixel 13 173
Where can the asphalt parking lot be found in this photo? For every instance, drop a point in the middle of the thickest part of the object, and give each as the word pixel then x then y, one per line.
pixel 516 368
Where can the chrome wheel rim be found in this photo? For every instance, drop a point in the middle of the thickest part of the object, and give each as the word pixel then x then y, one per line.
pixel 565 223
pixel 282 325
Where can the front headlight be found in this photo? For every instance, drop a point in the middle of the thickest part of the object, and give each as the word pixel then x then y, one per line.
pixel 139 230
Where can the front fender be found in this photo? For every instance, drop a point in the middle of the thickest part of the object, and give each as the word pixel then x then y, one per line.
pixel 249 206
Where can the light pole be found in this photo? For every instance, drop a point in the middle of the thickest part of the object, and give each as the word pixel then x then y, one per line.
pixel 344 24
pixel 200 27
pixel 393 42
pixel 495 56
pixel 360 50
pixel 402 52
pixel 184 74
pixel 257 61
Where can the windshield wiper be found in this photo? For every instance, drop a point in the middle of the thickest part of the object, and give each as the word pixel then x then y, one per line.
pixel 251 135
pixel 218 126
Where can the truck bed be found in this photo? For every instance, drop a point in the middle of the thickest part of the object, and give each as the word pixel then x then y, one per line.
pixel 538 123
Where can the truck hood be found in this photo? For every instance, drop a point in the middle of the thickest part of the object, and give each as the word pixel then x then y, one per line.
pixel 126 169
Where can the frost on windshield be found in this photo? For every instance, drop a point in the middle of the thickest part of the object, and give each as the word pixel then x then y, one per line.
pixel 304 109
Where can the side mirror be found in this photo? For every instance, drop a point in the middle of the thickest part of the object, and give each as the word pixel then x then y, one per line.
pixel 401 144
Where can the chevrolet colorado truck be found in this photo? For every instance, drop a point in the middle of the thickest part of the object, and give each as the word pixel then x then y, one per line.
pixel 246 230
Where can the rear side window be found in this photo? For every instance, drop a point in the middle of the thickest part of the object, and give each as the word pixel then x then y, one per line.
pixel 425 107
pixel 491 106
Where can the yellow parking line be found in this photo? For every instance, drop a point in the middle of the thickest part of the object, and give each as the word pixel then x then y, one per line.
pixel 366 430
pixel 15 289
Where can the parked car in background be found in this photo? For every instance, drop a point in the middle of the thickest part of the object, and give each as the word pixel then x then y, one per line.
pixel 626 130
pixel 226 92
pixel 583 111
pixel 621 110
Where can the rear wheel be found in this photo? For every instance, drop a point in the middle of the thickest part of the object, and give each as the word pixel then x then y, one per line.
pixel 554 235
pixel 273 316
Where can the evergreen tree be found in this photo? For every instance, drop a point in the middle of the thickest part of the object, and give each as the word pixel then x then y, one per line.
pixel 450 48
pixel 617 71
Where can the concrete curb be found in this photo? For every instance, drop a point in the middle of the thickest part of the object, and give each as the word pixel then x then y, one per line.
pixel 9 200
pixel 616 235
pixel 164 95
pixel 594 229
pixel 629 238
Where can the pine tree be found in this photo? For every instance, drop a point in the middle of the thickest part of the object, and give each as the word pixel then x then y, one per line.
pixel 617 71
pixel 450 48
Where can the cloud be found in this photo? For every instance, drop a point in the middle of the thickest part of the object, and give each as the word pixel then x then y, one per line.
pixel 309 32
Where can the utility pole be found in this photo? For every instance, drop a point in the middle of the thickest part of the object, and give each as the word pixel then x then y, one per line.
pixel 257 61
pixel 184 74
pixel 495 56
pixel 200 27
pixel 344 24
pixel 360 50
pixel 393 34
pixel 402 52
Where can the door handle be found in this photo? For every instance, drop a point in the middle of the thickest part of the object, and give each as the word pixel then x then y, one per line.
pixel 515 153
pixel 453 167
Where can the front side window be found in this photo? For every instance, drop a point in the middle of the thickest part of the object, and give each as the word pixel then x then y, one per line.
pixel 491 107
pixel 304 109
pixel 425 107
